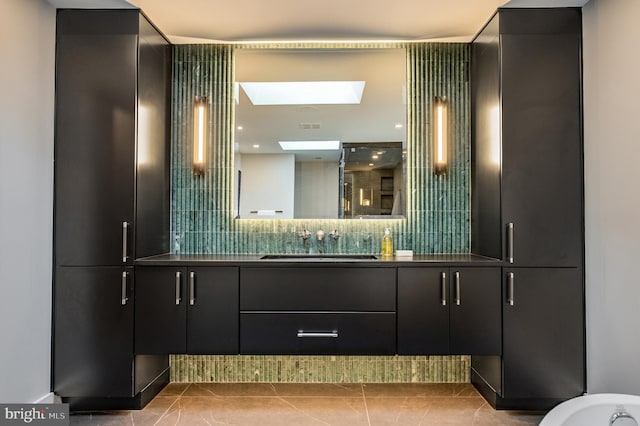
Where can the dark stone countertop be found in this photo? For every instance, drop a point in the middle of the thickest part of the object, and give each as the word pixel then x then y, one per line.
pixel 298 260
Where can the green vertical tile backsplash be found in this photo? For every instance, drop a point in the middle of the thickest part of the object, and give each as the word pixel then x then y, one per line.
pixel 438 207
pixel 438 216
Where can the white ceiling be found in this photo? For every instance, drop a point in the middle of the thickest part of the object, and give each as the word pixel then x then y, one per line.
pixel 190 21
pixel 254 20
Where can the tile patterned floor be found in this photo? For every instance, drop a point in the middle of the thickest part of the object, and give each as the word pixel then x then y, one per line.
pixel 314 404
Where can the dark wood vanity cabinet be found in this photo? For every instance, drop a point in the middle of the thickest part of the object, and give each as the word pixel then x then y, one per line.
pixel 93 322
pixel 95 132
pixel 543 331
pixel 526 90
pixel 186 310
pixel 527 174
pixel 328 310
pixel 111 169
pixel 443 311
pixel 542 174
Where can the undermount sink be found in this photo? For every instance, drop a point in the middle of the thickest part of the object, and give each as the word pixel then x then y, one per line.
pixel 318 257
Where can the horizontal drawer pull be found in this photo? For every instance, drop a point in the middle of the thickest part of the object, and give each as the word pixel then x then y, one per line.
pixel 318 334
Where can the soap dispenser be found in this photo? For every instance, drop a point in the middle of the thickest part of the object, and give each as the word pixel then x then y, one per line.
pixel 387 243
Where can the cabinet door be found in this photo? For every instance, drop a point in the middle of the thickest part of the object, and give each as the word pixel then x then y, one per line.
pixel 542 148
pixel 161 313
pixel 475 313
pixel 423 311
pixel 94 147
pixel 213 315
pixel 93 332
pixel 543 340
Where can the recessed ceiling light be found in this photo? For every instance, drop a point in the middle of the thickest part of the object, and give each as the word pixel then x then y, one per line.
pixel 380 152
pixel 309 145
pixel 399 126
pixel 239 127
pixel 256 145
pixel 371 164
pixel 304 92
pixel 375 157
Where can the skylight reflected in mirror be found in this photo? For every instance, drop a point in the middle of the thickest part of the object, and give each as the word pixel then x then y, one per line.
pixel 304 92
pixel 309 145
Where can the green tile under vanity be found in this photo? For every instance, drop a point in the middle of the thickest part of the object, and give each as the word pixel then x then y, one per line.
pixel 320 369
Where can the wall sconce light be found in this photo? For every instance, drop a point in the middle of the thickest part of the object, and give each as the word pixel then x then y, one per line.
pixel 199 135
pixel 440 135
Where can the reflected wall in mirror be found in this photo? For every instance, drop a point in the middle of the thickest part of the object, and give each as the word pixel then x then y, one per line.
pixel 356 102
pixel 373 184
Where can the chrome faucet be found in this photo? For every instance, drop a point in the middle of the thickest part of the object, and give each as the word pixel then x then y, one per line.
pixel 304 234
pixel 334 235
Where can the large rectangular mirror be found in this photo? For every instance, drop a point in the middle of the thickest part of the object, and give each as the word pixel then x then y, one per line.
pixel 320 133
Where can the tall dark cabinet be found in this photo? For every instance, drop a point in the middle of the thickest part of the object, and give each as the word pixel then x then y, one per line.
pixel 111 201
pixel 528 201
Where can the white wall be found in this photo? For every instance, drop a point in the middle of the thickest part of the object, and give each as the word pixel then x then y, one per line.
pixel 27 40
pixel 612 174
pixel 267 184
pixel 317 190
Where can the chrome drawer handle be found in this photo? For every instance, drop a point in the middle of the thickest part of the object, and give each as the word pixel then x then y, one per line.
pixel 443 288
pixel 333 334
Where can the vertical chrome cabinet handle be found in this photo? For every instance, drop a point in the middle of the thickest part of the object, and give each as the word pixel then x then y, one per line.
pixel 510 289
pixel 192 288
pixel 125 226
pixel 510 242
pixel 443 288
pixel 123 293
pixel 457 280
pixel 178 285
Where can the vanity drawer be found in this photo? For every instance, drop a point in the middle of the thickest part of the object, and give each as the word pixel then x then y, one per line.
pixel 318 333
pixel 318 289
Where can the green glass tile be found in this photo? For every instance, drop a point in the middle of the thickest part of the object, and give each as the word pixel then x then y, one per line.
pixel 319 369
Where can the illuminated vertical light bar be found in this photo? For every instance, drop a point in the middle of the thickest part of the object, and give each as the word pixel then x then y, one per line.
pixel 440 135
pixel 199 135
